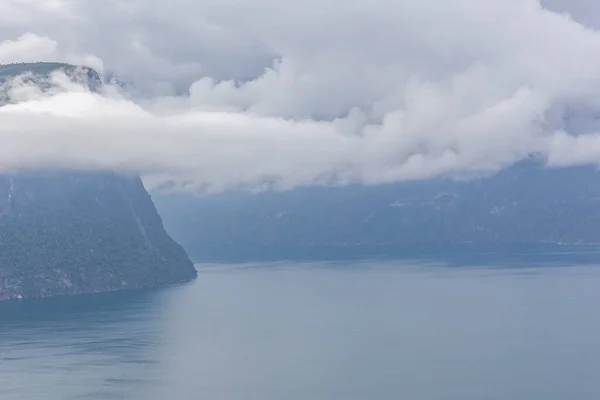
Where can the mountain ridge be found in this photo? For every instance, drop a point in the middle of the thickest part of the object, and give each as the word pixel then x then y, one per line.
pixel 525 203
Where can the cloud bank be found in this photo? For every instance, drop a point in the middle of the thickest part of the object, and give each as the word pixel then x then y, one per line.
pixel 256 93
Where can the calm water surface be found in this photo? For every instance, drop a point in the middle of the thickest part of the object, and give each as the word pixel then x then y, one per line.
pixel 316 330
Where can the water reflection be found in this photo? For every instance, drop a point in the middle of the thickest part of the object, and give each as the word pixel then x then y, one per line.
pixel 384 329
pixel 98 346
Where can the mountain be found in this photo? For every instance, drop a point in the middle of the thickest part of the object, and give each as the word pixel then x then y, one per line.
pixel 525 203
pixel 41 69
pixel 39 74
pixel 74 232
pixel 65 233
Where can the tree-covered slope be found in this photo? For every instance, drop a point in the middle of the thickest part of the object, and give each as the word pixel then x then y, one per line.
pixel 65 233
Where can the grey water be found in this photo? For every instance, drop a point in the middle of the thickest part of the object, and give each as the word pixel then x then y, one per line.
pixel 354 329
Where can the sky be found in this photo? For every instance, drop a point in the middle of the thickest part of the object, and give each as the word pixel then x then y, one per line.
pixel 221 94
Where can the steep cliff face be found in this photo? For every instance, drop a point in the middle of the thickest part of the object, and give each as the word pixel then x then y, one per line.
pixel 66 233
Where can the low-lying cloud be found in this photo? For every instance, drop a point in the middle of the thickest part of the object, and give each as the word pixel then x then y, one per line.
pixel 328 92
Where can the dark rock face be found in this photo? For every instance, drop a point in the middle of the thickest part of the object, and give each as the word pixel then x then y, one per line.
pixel 67 233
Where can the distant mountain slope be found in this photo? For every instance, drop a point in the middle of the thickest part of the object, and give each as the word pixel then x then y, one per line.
pixel 526 203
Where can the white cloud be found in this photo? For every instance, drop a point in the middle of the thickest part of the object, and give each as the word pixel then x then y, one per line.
pixel 28 48
pixel 314 92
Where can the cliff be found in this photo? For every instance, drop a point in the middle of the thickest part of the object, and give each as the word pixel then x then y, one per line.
pixel 66 233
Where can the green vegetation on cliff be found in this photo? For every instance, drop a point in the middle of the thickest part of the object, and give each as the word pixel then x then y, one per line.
pixel 67 233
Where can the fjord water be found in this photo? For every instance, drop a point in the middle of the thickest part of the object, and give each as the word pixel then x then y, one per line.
pixel 527 327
